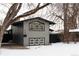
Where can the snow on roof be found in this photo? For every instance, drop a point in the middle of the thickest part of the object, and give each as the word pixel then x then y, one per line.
pixel 74 30
pixel 50 22
pixel 56 32
pixel 60 31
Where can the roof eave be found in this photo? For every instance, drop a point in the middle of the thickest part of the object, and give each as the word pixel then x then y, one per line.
pixel 52 23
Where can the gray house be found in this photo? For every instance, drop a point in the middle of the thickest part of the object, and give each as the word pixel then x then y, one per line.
pixel 31 32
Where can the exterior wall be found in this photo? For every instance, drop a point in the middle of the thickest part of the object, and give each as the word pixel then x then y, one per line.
pixel 35 33
pixel 54 38
pixel 7 37
pixel 17 34
pixel 74 36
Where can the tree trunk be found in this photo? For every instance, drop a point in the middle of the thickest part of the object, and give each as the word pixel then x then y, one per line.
pixel 66 30
pixel 69 23
pixel 1 36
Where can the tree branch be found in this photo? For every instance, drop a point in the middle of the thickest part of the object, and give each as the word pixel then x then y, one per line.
pixel 12 13
pixel 9 13
pixel 59 17
pixel 29 12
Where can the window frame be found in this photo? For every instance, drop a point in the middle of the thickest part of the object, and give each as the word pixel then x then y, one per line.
pixel 43 29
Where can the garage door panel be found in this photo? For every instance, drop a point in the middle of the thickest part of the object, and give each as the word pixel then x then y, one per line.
pixel 36 41
pixel 41 43
pixel 31 43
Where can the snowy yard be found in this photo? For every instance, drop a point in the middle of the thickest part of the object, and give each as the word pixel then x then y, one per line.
pixel 56 49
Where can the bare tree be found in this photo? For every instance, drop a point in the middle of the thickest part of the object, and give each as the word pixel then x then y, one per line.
pixel 69 17
pixel 11 16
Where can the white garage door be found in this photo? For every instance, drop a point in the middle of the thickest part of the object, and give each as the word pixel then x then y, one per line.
pixel 36 41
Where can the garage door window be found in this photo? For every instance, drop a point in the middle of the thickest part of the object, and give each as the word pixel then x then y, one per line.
pixel 36 41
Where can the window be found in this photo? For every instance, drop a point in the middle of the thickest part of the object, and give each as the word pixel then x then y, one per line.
pixel 36 26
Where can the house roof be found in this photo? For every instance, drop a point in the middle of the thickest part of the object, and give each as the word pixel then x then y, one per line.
pixel 20 22
pixel 51 29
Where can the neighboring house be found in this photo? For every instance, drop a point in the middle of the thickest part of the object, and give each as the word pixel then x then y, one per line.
pixel 32 32
pixel 7 37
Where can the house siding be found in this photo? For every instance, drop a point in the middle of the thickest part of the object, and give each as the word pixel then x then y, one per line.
pixel 36 34
pixel 17 34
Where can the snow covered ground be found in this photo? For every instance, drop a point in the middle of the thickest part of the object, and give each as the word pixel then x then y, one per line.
pixel 56 49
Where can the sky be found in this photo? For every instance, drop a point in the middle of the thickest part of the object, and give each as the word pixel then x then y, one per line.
pixel 45 13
